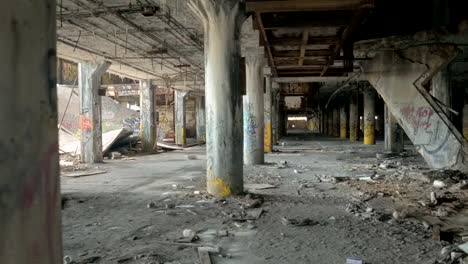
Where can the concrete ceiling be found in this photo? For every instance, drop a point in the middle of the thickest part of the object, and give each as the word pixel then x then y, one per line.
pixel 143 39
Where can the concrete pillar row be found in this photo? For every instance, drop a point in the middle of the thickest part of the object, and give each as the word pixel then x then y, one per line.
pixel 254 110
pixel 222 21
pixel 148 122
pixel 89 83
pixel 394 136
pixel 369 116
pixel 354 116
pixel 30 222
pixel 343 122
pixel 179 108
pixel 268 106
pixel 200 119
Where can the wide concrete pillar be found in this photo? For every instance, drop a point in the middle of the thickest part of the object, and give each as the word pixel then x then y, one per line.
pixel 275 112
pixel 148 122
pixel 369 116
pixel 89 83
pixel 179 108
pixel 394 137
pixel 222 21
pixel 400 78
pixel 268 119
pixel 354 116
pixel 336 121
pixel 30 221
pixel 200 116
pixel 254 110
pixel 343 122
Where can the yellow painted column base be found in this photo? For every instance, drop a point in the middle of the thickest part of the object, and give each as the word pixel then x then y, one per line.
pixel 369 135
pixel 343 133
pixel 267 140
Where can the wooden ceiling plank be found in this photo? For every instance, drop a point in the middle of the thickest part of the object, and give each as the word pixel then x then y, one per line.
pixel 305 40
pixel 305 5
pixel 258 18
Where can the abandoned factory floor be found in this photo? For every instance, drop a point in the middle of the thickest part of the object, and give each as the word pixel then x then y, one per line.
pixel 316 200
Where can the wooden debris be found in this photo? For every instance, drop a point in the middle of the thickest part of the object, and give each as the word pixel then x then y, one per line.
pixel 83 173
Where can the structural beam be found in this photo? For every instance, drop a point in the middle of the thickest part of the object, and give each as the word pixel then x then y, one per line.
pixel 264 38
pixel 400 78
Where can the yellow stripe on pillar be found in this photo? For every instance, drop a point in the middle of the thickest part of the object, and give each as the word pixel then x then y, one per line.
pixel 267 138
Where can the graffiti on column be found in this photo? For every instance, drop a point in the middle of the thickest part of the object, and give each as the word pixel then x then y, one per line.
pixel 86 124
pixel 251 121
pixel 418 117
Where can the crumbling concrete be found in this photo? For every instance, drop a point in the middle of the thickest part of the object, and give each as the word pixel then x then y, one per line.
pixel 179 108
pixel 399 77
pixel 148 123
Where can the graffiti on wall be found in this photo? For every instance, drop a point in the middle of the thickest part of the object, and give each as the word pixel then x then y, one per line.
pixel 418 117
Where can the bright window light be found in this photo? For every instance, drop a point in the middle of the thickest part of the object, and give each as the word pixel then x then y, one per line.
pixel 297 118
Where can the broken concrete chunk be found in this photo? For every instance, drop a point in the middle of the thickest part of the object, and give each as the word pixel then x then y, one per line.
pixel 116 155
pixel 191 157
pixel 297 222
pixel 151 205
pixel 455 255
pixel 189 233
pixel 439 184
pixel 353 260
pixel 464 247
pixel 67 260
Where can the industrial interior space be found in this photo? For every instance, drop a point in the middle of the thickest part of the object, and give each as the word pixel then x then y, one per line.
pixel 234 131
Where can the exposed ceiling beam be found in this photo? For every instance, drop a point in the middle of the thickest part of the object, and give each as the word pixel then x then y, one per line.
pixel 347 36
pixel 298 41
pixel 308 53
pixel 263 36
pixel 304 5
pixel 304 20
pixel 305 39
pixel 310 79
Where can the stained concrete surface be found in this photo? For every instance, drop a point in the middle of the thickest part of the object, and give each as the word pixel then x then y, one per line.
pixel 107 216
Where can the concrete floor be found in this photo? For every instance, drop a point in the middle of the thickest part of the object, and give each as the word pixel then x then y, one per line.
pixel 106 215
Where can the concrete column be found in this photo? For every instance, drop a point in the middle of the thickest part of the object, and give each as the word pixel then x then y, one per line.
pixel 89 82
pixel 275 112
pixel 30 222
pixel 201 121
pixel 222 22
pixel 254 110
pixel 354 116
pixel 330 122
pixel 179 108
pixel 336 121
pixel 343 122
pixel 148 123
pixel 369 116
pixel 394 140
pixel 465 120
pixel 267 138
pixel 401 79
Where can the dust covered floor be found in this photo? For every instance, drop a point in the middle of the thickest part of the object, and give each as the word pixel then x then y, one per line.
pixel 317 200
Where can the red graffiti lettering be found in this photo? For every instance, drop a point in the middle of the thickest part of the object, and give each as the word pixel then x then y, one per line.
pixel 417 117
pixel 86 123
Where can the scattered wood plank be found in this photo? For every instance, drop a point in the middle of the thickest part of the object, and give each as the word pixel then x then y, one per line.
pixel 83 173
pixel 259 186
